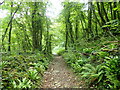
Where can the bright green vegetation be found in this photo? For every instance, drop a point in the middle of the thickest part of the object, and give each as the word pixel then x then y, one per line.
pixel 97 64
pixel 87 38
pixel 23 71
pixel 92 43
pixel 26 47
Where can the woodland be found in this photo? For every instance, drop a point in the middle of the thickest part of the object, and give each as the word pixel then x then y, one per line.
pixel 88 40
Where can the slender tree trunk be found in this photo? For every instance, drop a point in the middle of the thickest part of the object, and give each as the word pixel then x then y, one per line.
pixel 50 47
pixel 82 27
pixel 47 39
pixel 90 32
pixel 66 40
pixel 114 11
pixel 3 36
pixel 34 35
pixel 118 12
pixel 76 30
pixel 100 14
pixel 111 11
pixel 70 30
pixel 105 13
pixel 76 33
pixel 96 29
pixel 9 38
pixel 83 23
pixel 95 15
pixel 40 32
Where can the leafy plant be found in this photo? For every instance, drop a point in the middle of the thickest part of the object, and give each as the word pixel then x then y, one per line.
pixel 87 50
pixel 76 67
pixel 24 83
pixel 33 74
pixel 112 72
pixel 3 64
pixel 61 51
pixel 92 74
pixel 20 69
pixel 113 26
pixel 40 67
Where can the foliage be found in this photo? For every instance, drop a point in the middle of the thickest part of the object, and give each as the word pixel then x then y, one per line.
pixel 33 74
pixel 113 26
pixel 93 75
pixel 23 71
pixel 61 51
pixel 98 66
pixel 112 72
pixel 24 83
pixel 88 39
pixel 87 50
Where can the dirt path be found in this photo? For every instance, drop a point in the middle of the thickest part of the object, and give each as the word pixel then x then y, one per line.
pixel 59 75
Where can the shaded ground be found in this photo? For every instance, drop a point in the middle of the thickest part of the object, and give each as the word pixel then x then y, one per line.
pixel 60 76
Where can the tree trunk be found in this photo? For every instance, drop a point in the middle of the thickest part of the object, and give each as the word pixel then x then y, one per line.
pixel 34 31
pixel 105 13
pixel 76 30
pixel 95 15
pixel 9 38
pixel 114 11
pixel 111 11
pixel 3 36
pixel 70 30
pixel 66 40
pixel 100 14
pixel 90 32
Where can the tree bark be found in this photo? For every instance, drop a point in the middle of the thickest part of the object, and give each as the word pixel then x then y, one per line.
pixel 90 32
pixel 34 35
pixel 111 11
pixel 100 14
pixel 105 13
pixel 76 30
pixel 66 40
pixel 40 32
pixel 9 38
pixel 93 9
pixel 114 11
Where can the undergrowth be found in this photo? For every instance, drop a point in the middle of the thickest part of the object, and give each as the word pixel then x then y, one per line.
pixel 23 71
pixel 97 63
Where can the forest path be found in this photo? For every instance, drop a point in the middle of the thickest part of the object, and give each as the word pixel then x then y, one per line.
pixel 59 75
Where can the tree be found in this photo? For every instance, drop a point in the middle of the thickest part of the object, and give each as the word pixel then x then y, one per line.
pixel 9 40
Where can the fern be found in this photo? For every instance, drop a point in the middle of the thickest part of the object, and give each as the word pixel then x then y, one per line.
pixel 92 74
pixel 24 83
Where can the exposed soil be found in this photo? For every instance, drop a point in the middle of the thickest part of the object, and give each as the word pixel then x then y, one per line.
pixel 60 76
